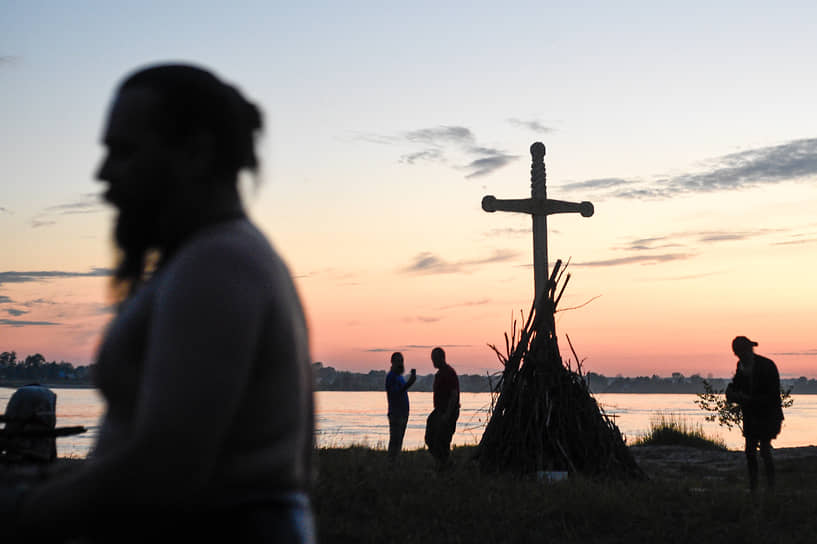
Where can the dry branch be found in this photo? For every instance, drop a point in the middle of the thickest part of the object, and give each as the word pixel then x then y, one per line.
pixel 544 417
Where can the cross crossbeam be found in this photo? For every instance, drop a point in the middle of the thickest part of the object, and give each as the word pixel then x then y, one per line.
pixel 539 207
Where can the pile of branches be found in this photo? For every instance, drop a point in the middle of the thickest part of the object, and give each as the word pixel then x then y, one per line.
pixel 544 417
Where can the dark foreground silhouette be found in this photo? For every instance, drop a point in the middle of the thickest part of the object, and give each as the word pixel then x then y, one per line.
pixel 207 310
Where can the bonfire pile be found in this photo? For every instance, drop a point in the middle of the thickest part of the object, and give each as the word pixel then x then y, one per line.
pixel 544 417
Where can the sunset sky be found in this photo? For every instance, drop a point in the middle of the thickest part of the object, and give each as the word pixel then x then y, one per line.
pixel 691 127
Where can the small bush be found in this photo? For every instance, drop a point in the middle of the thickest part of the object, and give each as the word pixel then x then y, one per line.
pixel 673 430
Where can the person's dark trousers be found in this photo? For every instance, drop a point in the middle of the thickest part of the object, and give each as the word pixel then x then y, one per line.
pixel 751 461
pixel 439 434
pixel 397 430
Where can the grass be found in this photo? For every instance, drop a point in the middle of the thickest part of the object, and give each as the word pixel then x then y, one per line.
pixel 668 429
pixel 360 497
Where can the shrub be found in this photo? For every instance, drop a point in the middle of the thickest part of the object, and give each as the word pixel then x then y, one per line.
pixel 672 430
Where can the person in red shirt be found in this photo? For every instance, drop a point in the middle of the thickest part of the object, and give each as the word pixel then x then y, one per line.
pixel 442 422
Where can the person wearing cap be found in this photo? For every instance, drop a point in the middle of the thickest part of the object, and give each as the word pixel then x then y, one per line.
pixel 756 388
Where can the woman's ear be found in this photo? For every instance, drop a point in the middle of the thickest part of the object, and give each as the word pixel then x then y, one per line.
pixel 196 159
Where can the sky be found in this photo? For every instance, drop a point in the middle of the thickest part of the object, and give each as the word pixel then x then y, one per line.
pixel 691 127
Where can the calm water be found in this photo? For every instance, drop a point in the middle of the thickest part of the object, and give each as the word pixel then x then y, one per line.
pixel 345 418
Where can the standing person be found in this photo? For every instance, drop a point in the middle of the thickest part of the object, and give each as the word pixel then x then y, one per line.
pixel 442 422
pixel 756 387
pixel 397 396
pixel 205 369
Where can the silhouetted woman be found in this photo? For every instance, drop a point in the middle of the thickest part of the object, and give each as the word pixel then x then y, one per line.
pixel 206 368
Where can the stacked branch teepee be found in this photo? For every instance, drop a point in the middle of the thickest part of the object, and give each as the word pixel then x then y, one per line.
pixel 544 418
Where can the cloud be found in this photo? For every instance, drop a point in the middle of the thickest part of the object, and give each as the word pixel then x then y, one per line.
pixel 4 210
pixel 442 135
pixel 43 275
pixel 16 313
pixel 17 323
pixel 5 300
pixel 426 319
pixel 426 155
pixel 487 165
pixel 791 161
pixel 428 263
pixel 32 303
pixel 509 232
pixel 686 277
pixel 643 259
pixel 535 126
pixel 694 239
pixel 601 183
pixel 466 304
pixel 87 203
pixel 438 143
pixel 415 346
pixel 431 346
pixel 422 319
pixel 798 241
pixel 806 353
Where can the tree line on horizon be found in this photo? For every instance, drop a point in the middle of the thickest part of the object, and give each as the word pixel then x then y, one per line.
pixel 328 378
pixel 35 368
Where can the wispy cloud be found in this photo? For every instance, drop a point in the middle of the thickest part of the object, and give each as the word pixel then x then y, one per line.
pixel 44 275
pixel 590 184
pixel 494 160
pixel 18 323
pixel 642 259
pixel 4 210
pixel 676 246
pixel 342 278
pixel 533 125
pixel 806 353
pixel 15 312
pixel 791 161
pixel 422 319
pixel 37 301
pixel 428 263
pixel 508 232
pixel 415 346
pixel 425 155
pixel 449 144
pixel 685 277
pixel 87 203
pixel 5 300
pixel 694 239
pixel 441 135
pixel 466 304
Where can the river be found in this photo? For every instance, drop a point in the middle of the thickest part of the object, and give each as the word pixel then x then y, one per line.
pixel 344 417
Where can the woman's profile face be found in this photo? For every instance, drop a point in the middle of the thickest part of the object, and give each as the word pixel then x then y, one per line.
pixel 137 164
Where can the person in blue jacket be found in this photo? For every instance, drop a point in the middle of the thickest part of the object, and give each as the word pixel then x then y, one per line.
pixel 397 396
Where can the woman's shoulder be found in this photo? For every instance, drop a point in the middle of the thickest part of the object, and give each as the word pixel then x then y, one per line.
pixel 233 248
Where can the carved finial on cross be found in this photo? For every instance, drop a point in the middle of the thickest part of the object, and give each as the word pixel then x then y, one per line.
pixel 538 206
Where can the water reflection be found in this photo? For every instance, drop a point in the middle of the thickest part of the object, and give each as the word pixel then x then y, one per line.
pixel 345 418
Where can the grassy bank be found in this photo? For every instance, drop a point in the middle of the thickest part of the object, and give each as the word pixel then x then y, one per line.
pixel 360 497
pixel 667 429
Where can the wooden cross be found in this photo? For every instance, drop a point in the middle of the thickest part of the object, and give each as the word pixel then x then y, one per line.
pixel 539 206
